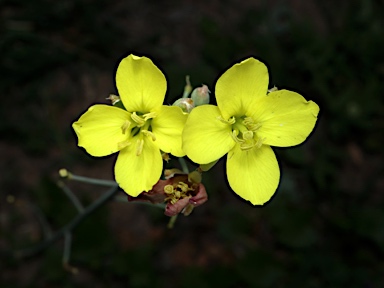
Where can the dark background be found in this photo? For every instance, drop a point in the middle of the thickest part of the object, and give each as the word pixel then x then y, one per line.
pixel 323 228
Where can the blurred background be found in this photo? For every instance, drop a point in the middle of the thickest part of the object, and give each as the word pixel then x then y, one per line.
pixel 323 228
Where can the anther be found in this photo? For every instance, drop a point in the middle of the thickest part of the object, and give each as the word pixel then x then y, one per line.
pixel 230 121
pixel 139 120
pixel 259 142
pixel 168 189
pixel 149 115
pixel 235 138
pixel 121 145
pixel 139 146
pixel 125 126
pixel 250 124
pixel 184 187
pixel 149 133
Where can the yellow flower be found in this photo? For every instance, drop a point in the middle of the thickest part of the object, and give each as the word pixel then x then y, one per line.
pixel 140 131
pixel 245 123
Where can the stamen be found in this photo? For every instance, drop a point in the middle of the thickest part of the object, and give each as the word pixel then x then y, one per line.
pixel 125 126
pixel 121 145
pixel 139 147
pixel 250 124
pixel 139 120
pixel 174 194
pixel 235 138
pixel 184 187
pixel 149 133
pixel 149 115
pixel 247 145
pixel 259 142
pixel 230 121
pixel 168 189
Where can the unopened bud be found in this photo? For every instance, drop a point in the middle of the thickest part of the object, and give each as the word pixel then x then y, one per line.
pixel 273 89
pixel 200 95
pixel 186 104
pixel 194 177
pixel 115 101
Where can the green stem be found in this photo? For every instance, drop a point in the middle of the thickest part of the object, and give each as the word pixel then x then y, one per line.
pixel 94 181
pixel 183 165
pixel 171 222
pixel 29 252
pixel 71 196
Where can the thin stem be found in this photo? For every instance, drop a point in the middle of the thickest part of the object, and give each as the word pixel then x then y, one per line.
pixel 171 222
pixel 29 252
pixel 47 231
pixel 187 87
pixel 67 247
pixel 71 196
pixel 67 253
pixel 94 181
pixel 64 173
pixel 183 165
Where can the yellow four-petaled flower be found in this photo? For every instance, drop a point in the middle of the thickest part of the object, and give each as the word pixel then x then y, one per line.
pixel 139 132
pixel 245 123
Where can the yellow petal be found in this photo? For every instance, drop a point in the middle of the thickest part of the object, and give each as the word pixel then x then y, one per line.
pixel 168 126
pixel 136 174
pixel 253 174
pixel 141 84
pixel 99 129
pixel 205 137
pixel 240 85
pixel 286 118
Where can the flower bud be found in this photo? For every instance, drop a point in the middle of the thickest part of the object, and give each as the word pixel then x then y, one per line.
pixel 115 101
pixel 200 95
pixel 273 89
pixel 186 104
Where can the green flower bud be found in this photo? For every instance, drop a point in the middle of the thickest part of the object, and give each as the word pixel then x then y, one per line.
pixel 186 104
pixel 200 95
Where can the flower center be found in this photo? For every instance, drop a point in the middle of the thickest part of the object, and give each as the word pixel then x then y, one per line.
pixel 138 126
pixel 176 192
pixel 244 132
